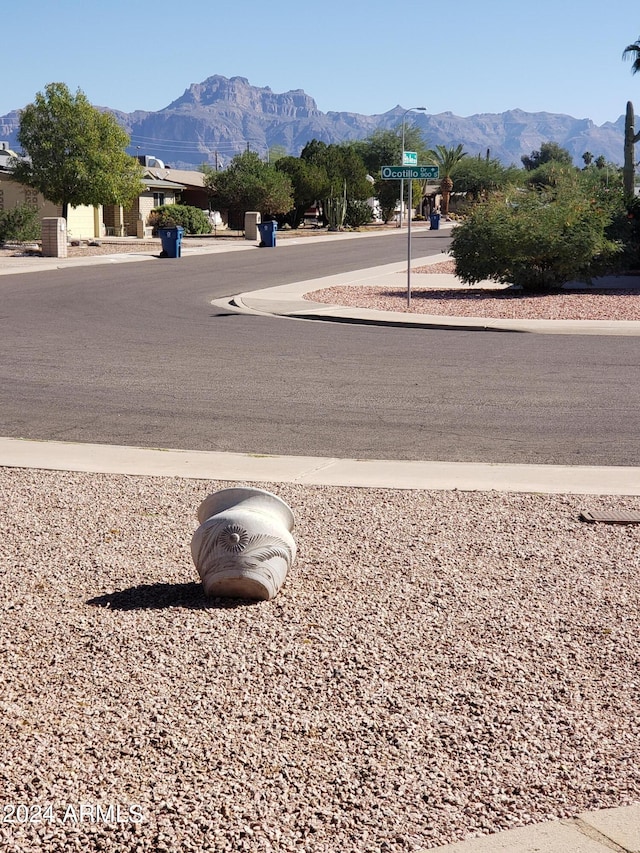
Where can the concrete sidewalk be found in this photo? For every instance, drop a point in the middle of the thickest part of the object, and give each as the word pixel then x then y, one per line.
pixel 191 247
pixel 289 301
pixel 321 471
pixel 590 832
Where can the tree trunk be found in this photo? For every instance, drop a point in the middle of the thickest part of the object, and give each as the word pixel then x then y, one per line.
pixel 446 185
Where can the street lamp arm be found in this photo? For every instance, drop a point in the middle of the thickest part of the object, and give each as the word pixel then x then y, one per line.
pixel 404 115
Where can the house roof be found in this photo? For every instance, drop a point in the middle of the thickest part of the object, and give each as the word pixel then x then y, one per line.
pixel 154 181
pixel 183 176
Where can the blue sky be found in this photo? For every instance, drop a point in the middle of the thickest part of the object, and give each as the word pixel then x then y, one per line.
pixel 366 56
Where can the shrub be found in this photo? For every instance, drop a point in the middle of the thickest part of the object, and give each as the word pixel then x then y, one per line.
pixel 192 219
pixel 20 224
pixel 358 213
pixel 539 239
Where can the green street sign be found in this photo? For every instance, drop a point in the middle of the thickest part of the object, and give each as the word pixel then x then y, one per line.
pixel 409 158
pixel 410 173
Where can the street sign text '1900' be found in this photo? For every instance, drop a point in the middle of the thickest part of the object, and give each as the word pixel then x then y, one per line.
pixel 410 173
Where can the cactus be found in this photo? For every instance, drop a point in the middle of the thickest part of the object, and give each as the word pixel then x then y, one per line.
pixel 630 139
pixel 335 209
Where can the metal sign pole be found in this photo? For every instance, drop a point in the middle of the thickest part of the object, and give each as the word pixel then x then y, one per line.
pixel 409 246
pixel 410 173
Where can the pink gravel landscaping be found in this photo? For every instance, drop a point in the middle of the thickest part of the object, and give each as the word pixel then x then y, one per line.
pixel 589 303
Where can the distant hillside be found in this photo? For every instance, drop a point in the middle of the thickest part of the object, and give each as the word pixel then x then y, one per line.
pixel 216 119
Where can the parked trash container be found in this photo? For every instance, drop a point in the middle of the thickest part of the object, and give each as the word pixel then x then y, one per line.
pixel 268 233
pixel 171 241
pixel 434 218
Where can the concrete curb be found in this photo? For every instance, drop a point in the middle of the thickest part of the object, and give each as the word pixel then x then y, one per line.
pixel 289 301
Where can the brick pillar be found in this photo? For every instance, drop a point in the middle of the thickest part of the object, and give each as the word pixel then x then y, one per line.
pixel 251 222
pixel 54 237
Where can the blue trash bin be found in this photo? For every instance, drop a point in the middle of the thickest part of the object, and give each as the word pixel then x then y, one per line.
pixel 434 218
pixel 171 241
pixel 268 234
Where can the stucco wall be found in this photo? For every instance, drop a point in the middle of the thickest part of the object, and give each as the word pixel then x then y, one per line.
pixel 82 221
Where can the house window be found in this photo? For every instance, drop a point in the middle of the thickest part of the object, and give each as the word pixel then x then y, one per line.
pixel 158 199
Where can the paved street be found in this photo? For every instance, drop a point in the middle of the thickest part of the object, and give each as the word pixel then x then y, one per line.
pixel 134 354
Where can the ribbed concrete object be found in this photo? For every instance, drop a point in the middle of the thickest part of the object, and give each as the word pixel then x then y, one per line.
pixel 244 546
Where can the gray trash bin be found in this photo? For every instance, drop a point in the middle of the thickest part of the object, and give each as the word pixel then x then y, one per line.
pixel 171 241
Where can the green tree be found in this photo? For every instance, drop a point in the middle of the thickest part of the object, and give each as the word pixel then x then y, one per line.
pixel 446 159
pixel 548 152
pixel 384 148
pixel 75 154
pixel 342 163
pixel 310 184
pixel 548 174
pixel 479 176
pixel 588 158
pixel 250 184
pixel 540 239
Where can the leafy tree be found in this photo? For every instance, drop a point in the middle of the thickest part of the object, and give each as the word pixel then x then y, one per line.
pixel 549 151
pixel 192 219
pixel 588 158
pixel 342 163
pixel 548 174
pixel 387 193
pixel 250 184
pixel 446 159
pixel 540 239
pixel 75 154
pixel 479 176
pixel 309 181
pixel 384 148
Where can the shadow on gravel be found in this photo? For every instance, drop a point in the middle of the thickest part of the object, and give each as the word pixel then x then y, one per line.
pixel 158 596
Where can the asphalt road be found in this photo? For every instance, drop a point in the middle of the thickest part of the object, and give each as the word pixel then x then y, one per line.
pixel 135 354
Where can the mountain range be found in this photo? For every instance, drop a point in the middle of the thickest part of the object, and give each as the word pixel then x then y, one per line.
pixel 220 117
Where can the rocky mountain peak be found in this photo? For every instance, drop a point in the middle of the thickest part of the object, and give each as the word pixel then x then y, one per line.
pixel 219 117
pixel 216 91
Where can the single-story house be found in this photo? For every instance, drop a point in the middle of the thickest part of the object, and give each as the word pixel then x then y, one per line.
pixel 162 186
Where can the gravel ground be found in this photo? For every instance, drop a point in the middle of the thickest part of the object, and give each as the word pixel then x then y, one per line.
pixel 587 304
pixel 438 665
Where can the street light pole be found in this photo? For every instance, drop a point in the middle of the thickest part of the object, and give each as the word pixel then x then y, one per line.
pixel 404 115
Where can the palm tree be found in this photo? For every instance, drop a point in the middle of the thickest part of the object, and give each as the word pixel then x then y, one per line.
pixel 633 50
pixel 446 159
